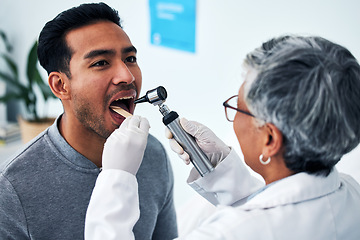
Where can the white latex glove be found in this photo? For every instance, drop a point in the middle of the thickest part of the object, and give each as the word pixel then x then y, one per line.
pixel 125 147
pixel 213 147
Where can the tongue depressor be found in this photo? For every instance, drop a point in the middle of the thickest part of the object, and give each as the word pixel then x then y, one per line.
pixel 121 111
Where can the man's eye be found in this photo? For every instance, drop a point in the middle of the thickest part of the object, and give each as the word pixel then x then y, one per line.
pixel 131 59
pixel 100 63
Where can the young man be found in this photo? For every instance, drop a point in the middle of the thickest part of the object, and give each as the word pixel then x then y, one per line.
pixel 45 190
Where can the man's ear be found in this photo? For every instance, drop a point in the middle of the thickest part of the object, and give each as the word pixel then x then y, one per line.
pixel 274 143
pixel 59 85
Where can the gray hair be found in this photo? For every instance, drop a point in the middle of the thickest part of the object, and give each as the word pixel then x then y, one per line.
pixel 309 88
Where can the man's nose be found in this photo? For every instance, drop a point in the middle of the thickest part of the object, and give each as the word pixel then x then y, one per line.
pixel 123 74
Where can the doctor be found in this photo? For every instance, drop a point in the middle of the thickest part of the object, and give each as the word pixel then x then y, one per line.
pixel 295 116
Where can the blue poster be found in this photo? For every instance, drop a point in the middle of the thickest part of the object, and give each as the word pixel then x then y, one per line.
pixel 173 23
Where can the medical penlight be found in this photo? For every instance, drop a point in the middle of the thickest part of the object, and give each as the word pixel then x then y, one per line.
pixel 157 97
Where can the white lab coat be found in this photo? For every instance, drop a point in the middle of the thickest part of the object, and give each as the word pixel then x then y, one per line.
pixel 301 206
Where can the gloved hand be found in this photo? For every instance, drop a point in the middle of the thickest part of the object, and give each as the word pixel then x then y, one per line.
pixel 213 147
pixel 125 147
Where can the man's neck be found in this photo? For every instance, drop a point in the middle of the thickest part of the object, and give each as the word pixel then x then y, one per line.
pixel 82 140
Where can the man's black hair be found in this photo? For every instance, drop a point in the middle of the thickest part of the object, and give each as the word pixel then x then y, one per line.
pixel 53 52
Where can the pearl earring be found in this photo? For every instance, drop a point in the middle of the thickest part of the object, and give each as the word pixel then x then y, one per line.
pixel 261 159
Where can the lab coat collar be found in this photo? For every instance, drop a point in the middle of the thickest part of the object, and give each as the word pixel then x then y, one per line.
pixel 293 189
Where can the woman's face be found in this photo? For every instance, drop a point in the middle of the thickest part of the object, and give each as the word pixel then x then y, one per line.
pixel 249 135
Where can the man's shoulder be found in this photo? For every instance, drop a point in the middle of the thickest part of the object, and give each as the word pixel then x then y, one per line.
pixel 31 151
pixel 154 144
pixel 155 160
pixel 153 140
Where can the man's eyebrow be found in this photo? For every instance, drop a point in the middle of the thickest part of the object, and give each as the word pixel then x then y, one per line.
pixel 129 49
pixel 99 52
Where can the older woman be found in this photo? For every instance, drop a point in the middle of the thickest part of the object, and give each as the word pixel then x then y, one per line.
pixel 296 114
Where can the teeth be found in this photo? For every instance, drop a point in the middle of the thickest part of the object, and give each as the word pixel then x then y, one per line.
pixel 124 98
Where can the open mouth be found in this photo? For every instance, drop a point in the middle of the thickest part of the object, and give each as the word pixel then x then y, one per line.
pixel 125 103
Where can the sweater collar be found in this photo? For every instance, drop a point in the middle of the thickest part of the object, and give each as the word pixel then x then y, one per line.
pixel 70 155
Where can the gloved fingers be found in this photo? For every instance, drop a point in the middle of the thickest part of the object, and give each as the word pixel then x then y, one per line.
pixel 144 124
pixel 125 123
pixel 124 127
pixel 134 121
pixel 125 147
pixel 168 134
pixel 175 146
pixel 135 124
pixel 214 148
pixel 185 157
pixel 189 126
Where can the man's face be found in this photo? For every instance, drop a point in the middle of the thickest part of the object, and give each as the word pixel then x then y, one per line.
pixel 103 69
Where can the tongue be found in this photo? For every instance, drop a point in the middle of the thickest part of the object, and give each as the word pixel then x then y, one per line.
pixel 120 104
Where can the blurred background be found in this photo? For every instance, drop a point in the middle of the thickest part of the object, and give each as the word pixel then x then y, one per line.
pixel 197 81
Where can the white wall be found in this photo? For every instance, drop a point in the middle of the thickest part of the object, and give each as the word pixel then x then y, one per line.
pixel 198 83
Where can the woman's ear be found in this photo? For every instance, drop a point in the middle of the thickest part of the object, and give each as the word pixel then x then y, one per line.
pixel 274 144
pixel 59 86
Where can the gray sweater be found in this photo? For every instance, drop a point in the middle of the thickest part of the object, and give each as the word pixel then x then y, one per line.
pixel 45 191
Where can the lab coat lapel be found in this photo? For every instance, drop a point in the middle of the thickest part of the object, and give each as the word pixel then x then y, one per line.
pixel 293 189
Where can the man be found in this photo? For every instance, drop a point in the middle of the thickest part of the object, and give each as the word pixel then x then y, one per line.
pixel 45 190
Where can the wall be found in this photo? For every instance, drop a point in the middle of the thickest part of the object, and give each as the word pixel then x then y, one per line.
pixel 198 83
